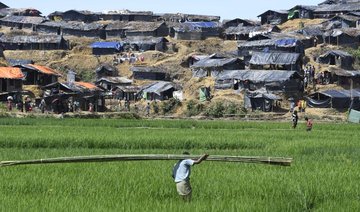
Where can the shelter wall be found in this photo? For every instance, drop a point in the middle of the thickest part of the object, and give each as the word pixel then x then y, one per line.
pixel 9 85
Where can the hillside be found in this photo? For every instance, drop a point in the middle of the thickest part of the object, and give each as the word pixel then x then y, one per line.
pixel 83 62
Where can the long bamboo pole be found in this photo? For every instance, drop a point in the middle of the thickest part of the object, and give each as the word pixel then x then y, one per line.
pixel 107 158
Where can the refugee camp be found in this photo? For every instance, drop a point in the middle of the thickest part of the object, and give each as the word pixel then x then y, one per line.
pixel 171 106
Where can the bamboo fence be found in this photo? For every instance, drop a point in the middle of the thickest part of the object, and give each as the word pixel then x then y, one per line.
pixel 107 158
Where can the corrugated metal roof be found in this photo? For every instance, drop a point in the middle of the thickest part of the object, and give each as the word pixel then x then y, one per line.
pixel 11 73
pixel 44 70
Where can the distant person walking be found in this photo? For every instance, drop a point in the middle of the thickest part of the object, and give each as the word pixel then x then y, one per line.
pixel 181 175
pixel 309 124
pixel 42 105
pixel 9 103
pixel 295 119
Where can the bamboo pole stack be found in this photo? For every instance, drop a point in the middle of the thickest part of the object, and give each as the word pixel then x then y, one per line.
pixel 107 158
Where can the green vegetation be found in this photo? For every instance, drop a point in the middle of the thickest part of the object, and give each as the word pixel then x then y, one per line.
pixel 325 174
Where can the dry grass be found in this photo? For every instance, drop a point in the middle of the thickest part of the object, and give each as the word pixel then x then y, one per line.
pixel 292 25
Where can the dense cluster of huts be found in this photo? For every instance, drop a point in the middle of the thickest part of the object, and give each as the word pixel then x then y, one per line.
pixel 268 64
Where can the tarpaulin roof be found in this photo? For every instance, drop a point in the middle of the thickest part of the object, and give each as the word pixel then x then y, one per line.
pixel 142 26
pixel 284 12
pixel 311 31
pixel 261 58
pixel 244 30
pixel 127 12
pixel 306 7
pixel 159 87
pixel 15 62
pixel 31 39
pixel 286 42
pixel 279 42
pixel 41 69
pixel 134 26
pixel 129 88
pixel 208 62
pixel 335 99
pixel 144 40
pixel 346 17
pixel 338 7
pixel 74 25
pixel 83 12
pixel 2 5
pixel 258 75
pixel 270 96
pixel 147 69
pixel 11 73
pixel 106 45
pixel 115 80
pixel 346 73
pixel 23 19
pixel 193 26
pixel 107 67
pixel 337 53
pixel 341 93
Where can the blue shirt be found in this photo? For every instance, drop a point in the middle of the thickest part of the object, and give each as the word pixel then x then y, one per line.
pixel 184 170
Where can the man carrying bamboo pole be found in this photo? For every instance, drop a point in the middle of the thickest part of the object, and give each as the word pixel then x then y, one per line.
pixel 181 175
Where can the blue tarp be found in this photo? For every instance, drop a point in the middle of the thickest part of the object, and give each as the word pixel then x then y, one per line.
pixel 106 45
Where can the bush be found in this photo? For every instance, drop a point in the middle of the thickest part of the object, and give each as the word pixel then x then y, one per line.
pixel 193 108
pixel 231 109
pixel 216 111
pixel 169 106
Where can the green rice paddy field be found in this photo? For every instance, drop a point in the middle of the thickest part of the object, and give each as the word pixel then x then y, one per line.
pixel 324 176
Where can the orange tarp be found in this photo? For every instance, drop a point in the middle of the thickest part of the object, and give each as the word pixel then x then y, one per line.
pixel 87 85
pixel 11 73
pixel 45 70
